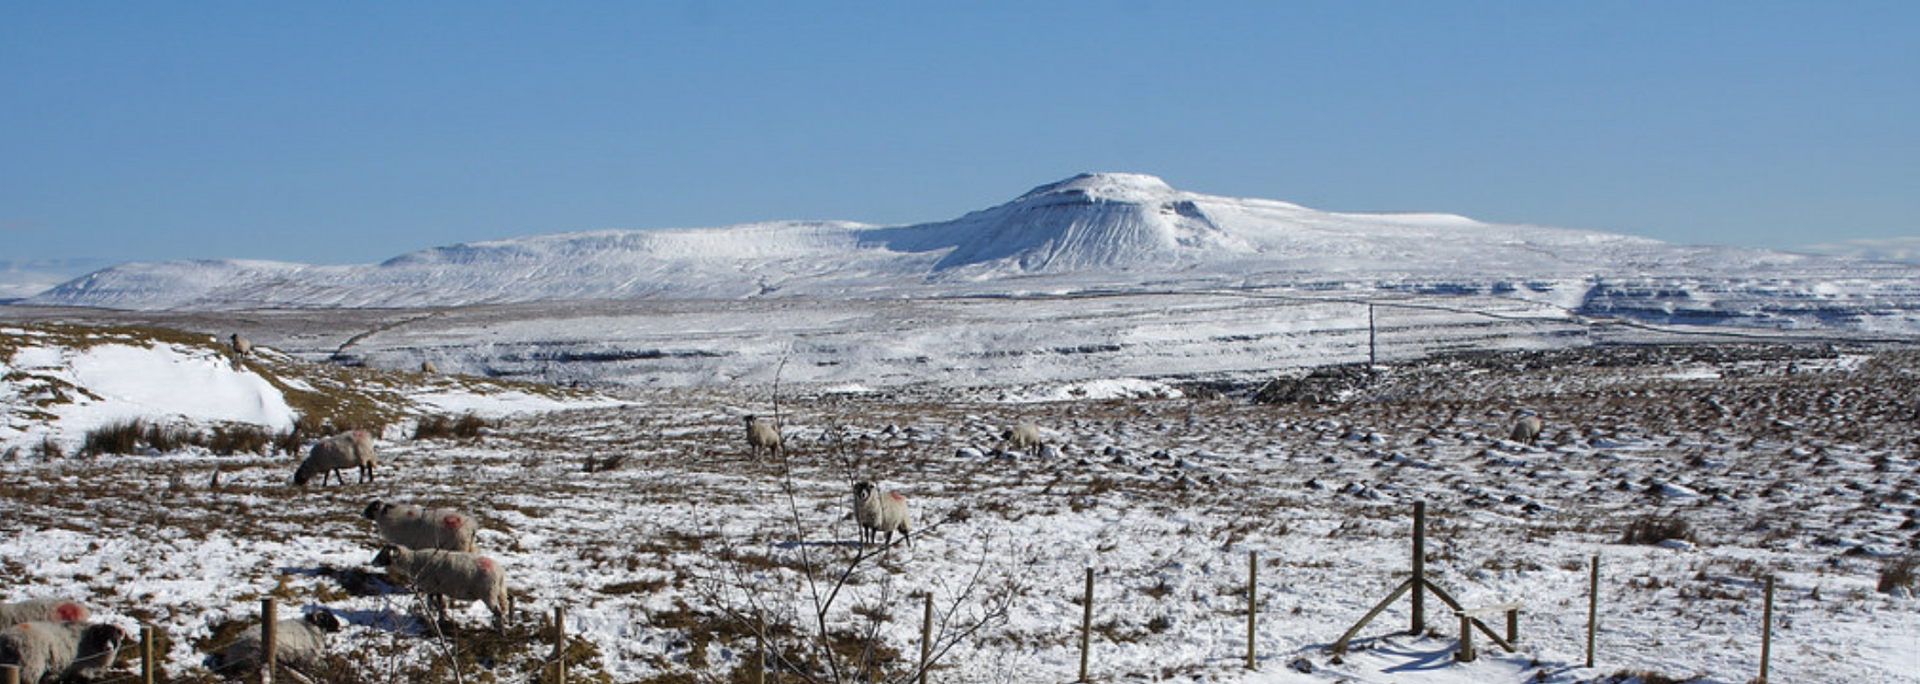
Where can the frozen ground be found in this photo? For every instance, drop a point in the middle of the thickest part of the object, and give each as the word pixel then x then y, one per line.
pixel 649 525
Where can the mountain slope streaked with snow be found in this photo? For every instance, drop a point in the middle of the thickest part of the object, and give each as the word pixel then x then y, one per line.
pixel 1089 233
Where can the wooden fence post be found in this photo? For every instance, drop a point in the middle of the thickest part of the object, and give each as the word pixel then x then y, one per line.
pixel 1766 631
pixel 1419 568
pixel 1253 583
pixel 926 636
pixel 559 645
pixel 1086 628
pixel 267 641
pixel 1593 608
pixel 9 674
pixel 147 660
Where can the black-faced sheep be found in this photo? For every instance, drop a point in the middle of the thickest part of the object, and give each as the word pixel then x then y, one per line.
pixel 42 610
pixel 346 450
pixel 1025 436
pixel 423 528
pixel 58 651
pixel 878 512
pixel 428 368
pixel 1526 430
pixel 762 435
pixel 297 642
pixel 442 575
pixel 241 345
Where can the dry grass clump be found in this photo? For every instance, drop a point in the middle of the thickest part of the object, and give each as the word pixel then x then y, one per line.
pixel 1899 573
pixel 1653 529
pixel 467 426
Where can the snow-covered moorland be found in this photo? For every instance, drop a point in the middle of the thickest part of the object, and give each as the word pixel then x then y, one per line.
pixel 645 520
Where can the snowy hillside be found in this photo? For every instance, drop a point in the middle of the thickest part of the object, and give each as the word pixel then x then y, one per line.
pixel 1094 232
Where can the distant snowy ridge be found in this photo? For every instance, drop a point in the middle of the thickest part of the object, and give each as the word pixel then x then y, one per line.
pixel 1093 232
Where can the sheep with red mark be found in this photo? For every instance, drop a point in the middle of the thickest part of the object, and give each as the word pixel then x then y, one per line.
pixel 299 642
pixel 441 575
pixel 880 512
pixel 339 452
pixel 42 610
pixel 49 652
pixel 423 528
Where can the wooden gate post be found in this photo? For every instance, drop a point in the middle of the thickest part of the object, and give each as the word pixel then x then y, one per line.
pixel 926 636
pixel 1419 568
pixel 1766 631
pixel 267 641
pixel 1253 584
pixel 9 674
pixel 1086 628
pixel 559 645
pixel 1593 608
pixel 147 660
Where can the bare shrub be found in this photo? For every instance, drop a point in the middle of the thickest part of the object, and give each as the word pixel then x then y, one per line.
pixel 228 440
pixel 467 426
pixel 1899 573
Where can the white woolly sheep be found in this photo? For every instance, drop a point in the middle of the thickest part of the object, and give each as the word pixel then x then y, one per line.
pixel 423 528
pixel 345 450
pixel 297 642
pixel 428 368
pixel 762 435
pixel 42 610
pixel 241 345
pixel 1025 436
pixel 58 651
pixel 457 575
pixel 1526 430
pixel 878 512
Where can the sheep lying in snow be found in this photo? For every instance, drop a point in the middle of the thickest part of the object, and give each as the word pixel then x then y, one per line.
pixel 58 651
pixel 345 450
pixel 1025 436
pixel 242 346
pixel 878 512
pixel 42 610
pixel 1526 430
pixel 762 435
pixel 297 642
pixel 441 575
pixel 423 528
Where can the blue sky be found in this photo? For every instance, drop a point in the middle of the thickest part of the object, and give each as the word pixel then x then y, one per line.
pixel 348 132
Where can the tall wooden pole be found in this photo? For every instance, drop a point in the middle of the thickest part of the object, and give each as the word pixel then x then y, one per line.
pixel 267 641
pixel 9 674
pixel 1253 585
pixel 1419 568
pixel 1766 631
pixel 1086 628
pixel 146 654
pixel 1593 608
pixel 1373 354
pixel 559 645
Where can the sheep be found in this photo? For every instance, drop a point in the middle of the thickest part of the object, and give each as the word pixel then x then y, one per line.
pixel 762 435
pixel 1023 436
pixel 42 610
pixel 345 450
pixel 879 512
pixel 297 642
pixel 442 574
pixel 423 528
pixel 1526 430
pixel 58 651
pixel 241 345
pixel 428 368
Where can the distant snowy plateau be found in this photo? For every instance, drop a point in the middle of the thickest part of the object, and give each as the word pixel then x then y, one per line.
pixel 1100 275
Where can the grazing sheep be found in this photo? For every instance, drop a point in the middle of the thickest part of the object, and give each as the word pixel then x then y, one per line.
pixel 242 346
pixel 297 642
pixel 879 512
pixel 441 575
pixel 58 651
pixel 423 528
pixel 428 368
pixel 42 610
pixel 762 435
pixel 345 450
pixel 1024 436
pixel 1526 430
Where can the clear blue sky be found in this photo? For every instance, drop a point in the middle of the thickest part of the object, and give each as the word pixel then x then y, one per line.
pixel 346 132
